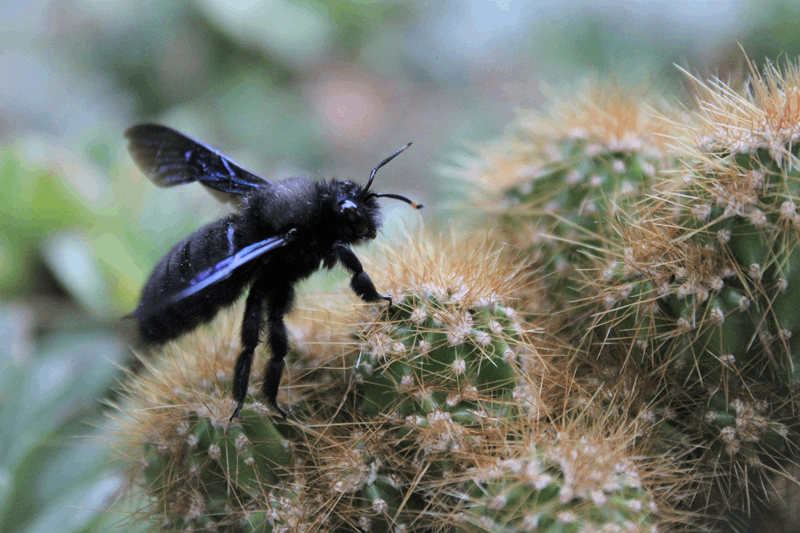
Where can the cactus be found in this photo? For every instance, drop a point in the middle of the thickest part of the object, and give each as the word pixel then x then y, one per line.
pixel 704 292
pixel 449 347
pixel 462 392
pixel 430 356
pixel 198 469
pixel 567 482
pixel 220 473
pixel 439 372
pixel 686 279
pixel 439 381
pixel 554 185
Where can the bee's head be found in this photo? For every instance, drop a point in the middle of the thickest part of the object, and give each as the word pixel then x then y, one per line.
pixel 361 216
pixel 359 208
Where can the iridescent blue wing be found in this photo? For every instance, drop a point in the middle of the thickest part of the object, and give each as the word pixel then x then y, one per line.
pixel 171 158
pixel 221 270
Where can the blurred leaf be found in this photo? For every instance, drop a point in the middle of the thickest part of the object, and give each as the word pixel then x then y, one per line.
pixel 267 120
pixel 79 508
pixel 16 324
pixel 298 33
pixel 34 201
pixel 71 258
pixel 14 263
pixel 771 31
pixel 6 484
pixel 123 276
pixel 68 377
pixel 50 472
pixel 358 21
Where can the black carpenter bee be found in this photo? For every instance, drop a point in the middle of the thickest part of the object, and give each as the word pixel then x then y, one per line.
pixel 283 232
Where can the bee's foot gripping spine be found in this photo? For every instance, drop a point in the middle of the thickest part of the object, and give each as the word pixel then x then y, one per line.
pixel 283 413
pixel 275 406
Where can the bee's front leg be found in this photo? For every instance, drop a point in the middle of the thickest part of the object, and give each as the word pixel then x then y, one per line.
pixel 360 282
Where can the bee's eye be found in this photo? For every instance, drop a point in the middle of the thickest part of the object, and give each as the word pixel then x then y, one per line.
pixel 360 227
pixel 350 211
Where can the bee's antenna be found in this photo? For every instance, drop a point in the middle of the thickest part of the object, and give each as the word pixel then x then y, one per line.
pixel 415 205
pixel 375 170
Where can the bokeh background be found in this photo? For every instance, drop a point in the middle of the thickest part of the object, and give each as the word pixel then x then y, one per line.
pixel 285 87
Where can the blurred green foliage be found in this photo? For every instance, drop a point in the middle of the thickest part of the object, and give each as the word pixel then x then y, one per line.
pixel 34 203
pixel 54 467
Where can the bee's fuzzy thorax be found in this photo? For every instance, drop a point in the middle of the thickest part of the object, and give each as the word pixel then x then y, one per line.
pixel 293 201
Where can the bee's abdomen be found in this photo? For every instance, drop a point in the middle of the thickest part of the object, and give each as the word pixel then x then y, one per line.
pixel 195 254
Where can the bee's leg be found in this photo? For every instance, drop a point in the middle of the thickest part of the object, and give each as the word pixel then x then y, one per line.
pixel 280 301
pixel 360 282
pixel 251 326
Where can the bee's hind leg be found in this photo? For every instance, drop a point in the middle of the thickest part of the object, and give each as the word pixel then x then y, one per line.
pixel 280 301
pixel 251 326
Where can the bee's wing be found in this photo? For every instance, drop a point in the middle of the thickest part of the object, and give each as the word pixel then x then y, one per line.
pixel 171 158
pixel 220 271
